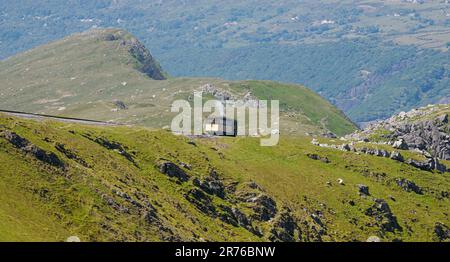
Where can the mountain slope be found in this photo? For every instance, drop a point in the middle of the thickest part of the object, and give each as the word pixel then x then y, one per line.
pixel 106 74
pixel 135 184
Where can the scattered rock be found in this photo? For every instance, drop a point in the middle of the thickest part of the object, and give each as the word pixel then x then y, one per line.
pixel 73 239
pixel 345 147
pixel 329 135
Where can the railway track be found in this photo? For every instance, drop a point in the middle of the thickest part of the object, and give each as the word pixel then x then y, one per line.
pixel 58 118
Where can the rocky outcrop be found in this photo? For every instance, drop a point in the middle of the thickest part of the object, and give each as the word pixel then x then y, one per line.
pixel 71 154
pixel 363 190
pixel 383 216
pixel 425 129
pixel 284 227
pixel 317 157
pixel 29 148
pixel 408 186
pixel 201 201
pixel 442 232
pixel 264 207
pixel 144 62
pixel 172 170
pixel 211 184
pixel 429 164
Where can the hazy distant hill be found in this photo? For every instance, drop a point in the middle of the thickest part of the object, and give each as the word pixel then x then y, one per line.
pixel 371 58
pixel 109 75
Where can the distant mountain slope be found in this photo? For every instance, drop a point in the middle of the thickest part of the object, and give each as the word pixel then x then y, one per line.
pixel 133 184
pixel 371 58
pixel 106 74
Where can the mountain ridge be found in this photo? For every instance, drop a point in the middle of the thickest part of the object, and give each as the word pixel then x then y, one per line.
pixel 102 75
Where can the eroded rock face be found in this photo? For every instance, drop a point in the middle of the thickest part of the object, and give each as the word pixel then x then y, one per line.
pixel 27 147
pixel 383 215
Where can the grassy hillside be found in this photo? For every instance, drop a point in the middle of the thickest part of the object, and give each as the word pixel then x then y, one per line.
pixel 96 75
pixel 135 184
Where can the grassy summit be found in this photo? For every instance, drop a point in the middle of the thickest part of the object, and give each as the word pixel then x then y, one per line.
pixel 106 74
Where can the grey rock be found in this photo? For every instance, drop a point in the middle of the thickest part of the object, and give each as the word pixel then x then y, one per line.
pixel 383 216
pixel 442 232
pixel 211 185
pixel 201 201
pixel 400 144
pixel 363 189
pixel 397 156
pixel 284 227
pixel 172 170
pixel 408 186
pixel 317 157
pixel 120 105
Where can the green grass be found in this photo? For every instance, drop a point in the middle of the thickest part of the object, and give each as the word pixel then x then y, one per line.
pixel 42 203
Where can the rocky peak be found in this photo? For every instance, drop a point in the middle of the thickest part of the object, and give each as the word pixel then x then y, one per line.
pixel 145 63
